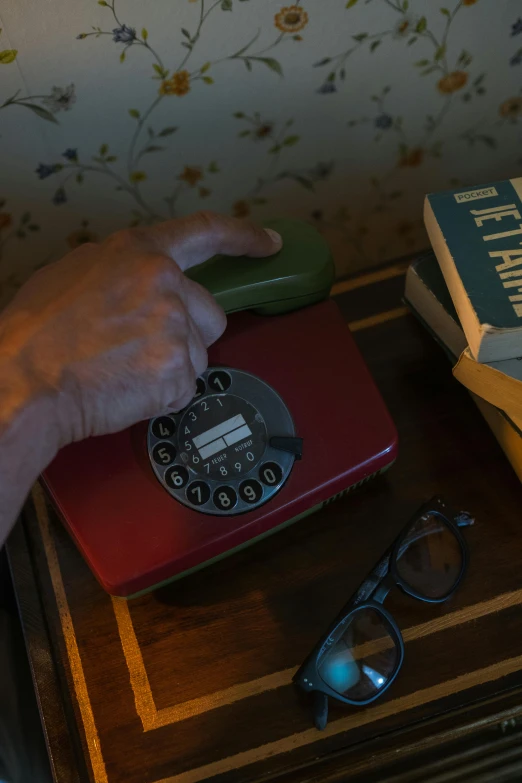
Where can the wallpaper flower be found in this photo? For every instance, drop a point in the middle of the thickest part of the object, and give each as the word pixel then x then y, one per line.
pixel 341 112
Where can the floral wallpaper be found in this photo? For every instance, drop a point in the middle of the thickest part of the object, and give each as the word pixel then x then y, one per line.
pixel 341 112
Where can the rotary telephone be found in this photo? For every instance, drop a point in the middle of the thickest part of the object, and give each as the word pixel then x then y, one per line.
pixel 285 418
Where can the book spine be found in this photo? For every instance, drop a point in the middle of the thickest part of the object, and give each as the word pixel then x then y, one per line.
pixel 467 315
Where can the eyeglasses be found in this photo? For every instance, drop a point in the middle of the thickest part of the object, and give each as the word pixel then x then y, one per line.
pixel 359 657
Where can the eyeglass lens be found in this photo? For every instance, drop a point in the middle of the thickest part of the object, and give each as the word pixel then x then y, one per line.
pixel 430 557
pixel 360 663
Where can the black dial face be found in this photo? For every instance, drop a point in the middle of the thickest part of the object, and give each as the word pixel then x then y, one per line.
pixel 227 452
pixel 221 436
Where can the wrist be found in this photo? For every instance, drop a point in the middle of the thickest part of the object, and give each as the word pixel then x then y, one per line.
pixel 28 420
pixel 28 432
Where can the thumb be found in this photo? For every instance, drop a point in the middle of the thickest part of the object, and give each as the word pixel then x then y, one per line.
pixel 191 240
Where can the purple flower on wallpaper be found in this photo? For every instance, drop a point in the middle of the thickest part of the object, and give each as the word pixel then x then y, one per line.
pixel 60 99
pixel 123 34
pixel 321 171
pixel 70 154
pixel 383 121
pixel 517 58
pixel 517 27
pixel 327 87
pixel 45 171
pixel 60 197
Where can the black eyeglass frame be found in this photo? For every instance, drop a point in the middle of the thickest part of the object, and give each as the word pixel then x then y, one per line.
pixel 371 595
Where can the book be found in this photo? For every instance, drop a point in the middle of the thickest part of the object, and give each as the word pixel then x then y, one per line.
pixel 497 382
pixel 476 235
pixel 427 295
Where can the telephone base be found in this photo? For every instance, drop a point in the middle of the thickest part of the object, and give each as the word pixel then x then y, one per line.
pixel 131 530
pixel 268 533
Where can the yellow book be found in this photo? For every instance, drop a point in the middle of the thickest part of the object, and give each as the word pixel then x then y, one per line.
pixel 500 383
pixel 504 430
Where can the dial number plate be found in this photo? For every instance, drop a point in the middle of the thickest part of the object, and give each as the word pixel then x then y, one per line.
pixel 215 455
pixel 227 449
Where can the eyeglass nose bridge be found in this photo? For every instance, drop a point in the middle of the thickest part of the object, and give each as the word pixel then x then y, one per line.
pixel 383 588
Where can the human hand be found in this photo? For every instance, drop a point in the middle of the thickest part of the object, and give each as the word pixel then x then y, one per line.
pixel 114 332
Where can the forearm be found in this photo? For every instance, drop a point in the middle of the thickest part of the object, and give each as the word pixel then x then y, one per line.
pixel 27 444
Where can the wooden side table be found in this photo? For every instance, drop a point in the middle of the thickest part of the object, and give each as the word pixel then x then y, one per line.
pixel 193 682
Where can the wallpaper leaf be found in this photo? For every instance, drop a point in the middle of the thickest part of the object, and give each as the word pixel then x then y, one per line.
pixel 8 56
pixel 44 114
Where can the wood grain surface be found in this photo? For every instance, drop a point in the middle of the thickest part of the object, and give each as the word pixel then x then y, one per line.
pixel 193 682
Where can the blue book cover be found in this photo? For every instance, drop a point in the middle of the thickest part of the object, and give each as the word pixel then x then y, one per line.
pixel 476 234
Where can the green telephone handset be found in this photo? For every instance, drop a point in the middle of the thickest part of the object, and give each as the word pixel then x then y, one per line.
pixel 302 273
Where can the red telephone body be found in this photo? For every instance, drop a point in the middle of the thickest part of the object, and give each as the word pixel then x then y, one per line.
pixel 134 535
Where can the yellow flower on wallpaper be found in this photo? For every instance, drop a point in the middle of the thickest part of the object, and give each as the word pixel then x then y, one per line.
pixel 81 237
pixel 178 84
pixel 406 230
pixel 452 82
pixel 291 19
pixel 405 26
pixel 511 108
pixel 241 209
pixel 412 158
pixel 5 220
pixel 263 130
pixel 191 175
pixel 137 176
pixel 405 227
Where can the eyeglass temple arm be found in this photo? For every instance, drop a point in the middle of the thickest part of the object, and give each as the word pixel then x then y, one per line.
pixel 372 582
pixel 320 709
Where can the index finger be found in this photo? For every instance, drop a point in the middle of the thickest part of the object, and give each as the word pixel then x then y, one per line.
pixel 191 240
